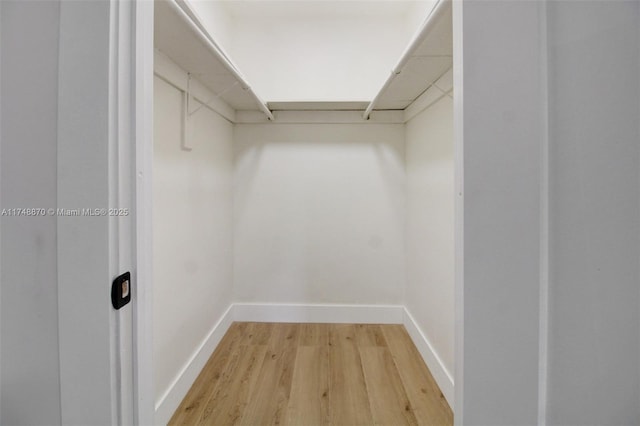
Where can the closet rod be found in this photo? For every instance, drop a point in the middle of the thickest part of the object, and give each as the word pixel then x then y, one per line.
pixel 438 10
pixel 219 55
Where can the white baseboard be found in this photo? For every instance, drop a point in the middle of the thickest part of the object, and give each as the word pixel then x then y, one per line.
pixel 320 313
pixel 442 376
pixel 173 396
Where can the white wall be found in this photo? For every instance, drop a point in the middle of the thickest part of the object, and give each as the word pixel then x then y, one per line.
pixel 594 202
pixel 418 12
pixel 429 295
pixel 219 22
pixel 319 213
pixel 192 225
pixel 29 99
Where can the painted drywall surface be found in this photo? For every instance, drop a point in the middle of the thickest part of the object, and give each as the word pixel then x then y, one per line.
pixel 417 14
pixel 319 213
pixel 498 116
pixel 318 58
pixel 192 225
pixel 219 22
pixel 594 140
pixel 29 333
pixel 429 293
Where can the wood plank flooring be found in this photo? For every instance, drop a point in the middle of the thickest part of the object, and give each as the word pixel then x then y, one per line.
pixel 314 374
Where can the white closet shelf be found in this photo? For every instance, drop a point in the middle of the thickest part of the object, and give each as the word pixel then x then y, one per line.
pixel 421 76
pixel 318 106
pixel 181 36
pixel 426 60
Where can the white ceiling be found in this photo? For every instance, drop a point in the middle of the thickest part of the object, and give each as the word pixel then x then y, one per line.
pixel 317 8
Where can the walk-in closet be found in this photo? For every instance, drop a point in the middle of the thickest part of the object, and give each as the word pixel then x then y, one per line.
pixel 303 191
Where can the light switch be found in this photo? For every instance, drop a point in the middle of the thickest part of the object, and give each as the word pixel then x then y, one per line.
pixel 121 290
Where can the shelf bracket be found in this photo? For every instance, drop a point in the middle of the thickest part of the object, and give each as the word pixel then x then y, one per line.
pixel 185 143
pixel 208 103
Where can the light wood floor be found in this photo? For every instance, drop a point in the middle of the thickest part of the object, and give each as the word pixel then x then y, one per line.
pixel 314 374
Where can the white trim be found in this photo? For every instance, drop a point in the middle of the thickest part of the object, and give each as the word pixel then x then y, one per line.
pixel 168 403
pixel 457 21
pixel 442 376
pixel 121 178
pixel 318 313
pixel 143 377
pixel 1 191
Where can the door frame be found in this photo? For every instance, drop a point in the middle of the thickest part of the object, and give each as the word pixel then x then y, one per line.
pixel 143 382
pixel 474 244
pixel 96 149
